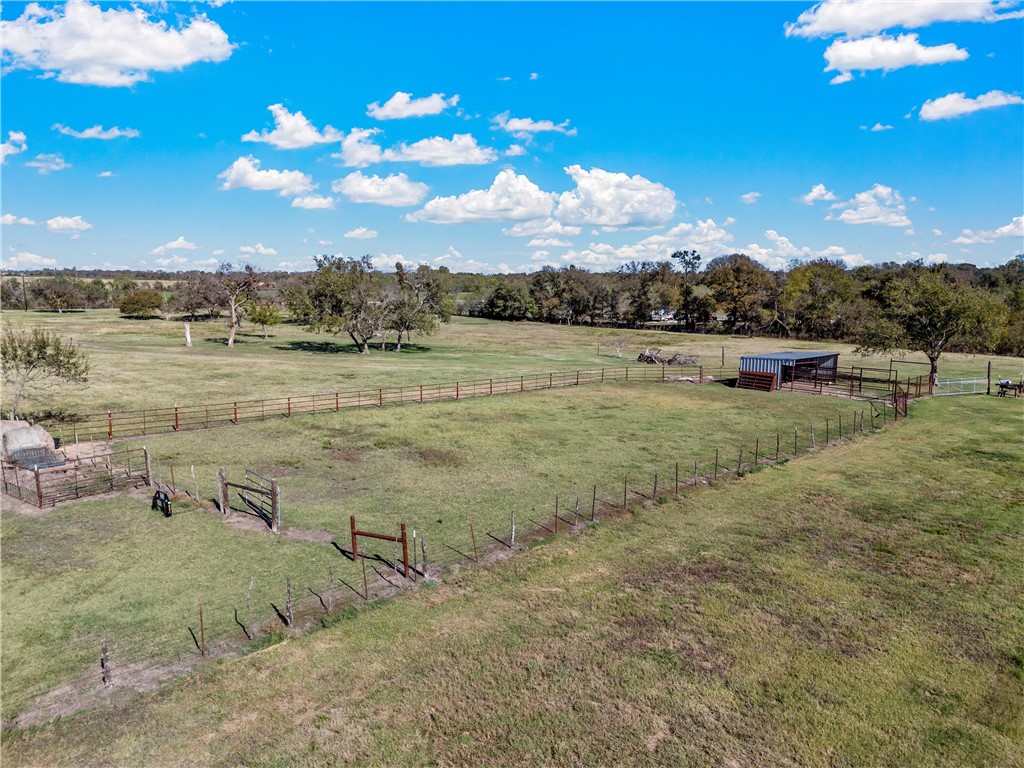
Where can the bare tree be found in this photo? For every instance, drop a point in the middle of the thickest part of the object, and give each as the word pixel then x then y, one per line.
pixel 238 288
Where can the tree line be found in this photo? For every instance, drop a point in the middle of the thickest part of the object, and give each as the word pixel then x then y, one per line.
pixel 933 309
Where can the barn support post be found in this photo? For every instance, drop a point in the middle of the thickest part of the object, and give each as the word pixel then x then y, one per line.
pixel 149 467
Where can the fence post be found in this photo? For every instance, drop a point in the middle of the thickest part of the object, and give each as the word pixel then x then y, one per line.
pixel 380 397
pixel 840 427
pixel 202 632
pixel 663 373
pixel 110 425
pixel 625 480
pixel 337 403
pixel 236 412
pixel 654 495
pixel 988 379
pixel 556 513
pixel 593 505
pixel 288 601
pixel 355 544
pixel 405 551
pixel 602 375
pixel 222 490
pixel 716 450
pixel 550 379
pixel 826 432
pixel 105 663
pixel 39 488
pixel 757 449
pixel 149 467
pixel 423 549
pixel 627 373
pixel 275 506
pixel 472 532
pixel 700 375
pixel 677 479
pixel 796 447
pixel 456 390
pixel 739 466
pixel 176 425
pixel 512 538
pixel 778 439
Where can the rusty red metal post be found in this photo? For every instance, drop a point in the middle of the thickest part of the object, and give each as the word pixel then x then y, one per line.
pixel 405 551
pixel 355 545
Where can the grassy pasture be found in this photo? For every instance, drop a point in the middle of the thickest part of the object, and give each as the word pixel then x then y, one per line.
pixel 144 363
pixel 859 606
pixel 110 567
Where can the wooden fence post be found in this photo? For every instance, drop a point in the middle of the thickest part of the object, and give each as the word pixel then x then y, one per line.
pixel 110 425
pixel 105 664
pixel 593 505
pixel 202 632
pixel 716 455
pixel 472 532
pixel 39 487
pixel 512 538
pixel 149 467
pixel 423 549
pixel 222 490
pixel 757 448
pixel 405 551
pixel 176 424
pixel 288 601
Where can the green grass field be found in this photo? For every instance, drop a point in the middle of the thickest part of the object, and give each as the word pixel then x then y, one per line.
pixel 858 606
pixel 720 627
pixel 145 364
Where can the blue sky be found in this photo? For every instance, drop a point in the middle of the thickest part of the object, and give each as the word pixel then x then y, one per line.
pixel 497 137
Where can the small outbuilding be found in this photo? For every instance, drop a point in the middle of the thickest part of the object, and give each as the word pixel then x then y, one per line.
pixel 792 366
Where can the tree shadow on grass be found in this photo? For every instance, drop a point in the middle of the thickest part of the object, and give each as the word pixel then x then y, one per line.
pixel 223 340
pixel 335 348
pixel 319 347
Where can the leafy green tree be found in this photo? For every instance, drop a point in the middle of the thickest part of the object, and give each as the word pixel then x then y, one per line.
pixel 509 302
pixel 141 303
pixel 741 286
pixel 919 311
pixel 346 297
pixel 418 301
pixel 96 293
pixel 197 291
pixel 263 313
pixel 58 294
pixel 35 361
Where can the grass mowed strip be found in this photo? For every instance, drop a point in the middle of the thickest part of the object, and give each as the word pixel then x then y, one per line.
pixel 113 568
pixel 856 607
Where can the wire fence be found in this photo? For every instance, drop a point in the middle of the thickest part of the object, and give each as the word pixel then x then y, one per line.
pixel 272 606
pixel 76 478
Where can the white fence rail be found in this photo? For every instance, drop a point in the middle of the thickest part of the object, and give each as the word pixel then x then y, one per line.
pixel 976 386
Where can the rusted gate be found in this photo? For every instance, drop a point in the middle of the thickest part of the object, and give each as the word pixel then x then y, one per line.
pixel 384 536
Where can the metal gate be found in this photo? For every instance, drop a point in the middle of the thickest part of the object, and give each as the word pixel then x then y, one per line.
pixel 974 386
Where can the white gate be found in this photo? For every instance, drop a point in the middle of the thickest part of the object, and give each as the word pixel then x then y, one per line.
pixel 973 386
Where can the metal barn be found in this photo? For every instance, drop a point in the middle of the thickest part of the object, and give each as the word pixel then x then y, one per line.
pixel 793 366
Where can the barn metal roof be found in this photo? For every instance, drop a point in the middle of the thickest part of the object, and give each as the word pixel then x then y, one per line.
pixel 793 355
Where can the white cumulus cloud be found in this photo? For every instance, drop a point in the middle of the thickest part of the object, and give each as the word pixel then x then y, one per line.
pixel 27 260
pixel 548 242
pixel 292 131
pixel 358 149
pixel 855 18
pixel 818 192
pixel 68 225
pixel 614 200
pixel 361 233
pixel 526 128
pixel 181 244
pixel 511 197
pixel 82 43
pixel 1014 229
pixel 396 190
pixel 314 203
pixel 957 104
pixel 257 250
pixel 887 54
pixel 878 205
pixel 750 197
pixel 10 218
pixel 98 132
pixel 16 142
pixel 460 149
pixel 547 226
pixel 402 105
pixel 48 164
pixel 245 173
